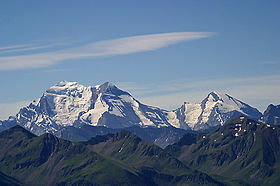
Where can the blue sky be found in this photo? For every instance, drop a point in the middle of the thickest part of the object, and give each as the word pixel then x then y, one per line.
pixel 162 52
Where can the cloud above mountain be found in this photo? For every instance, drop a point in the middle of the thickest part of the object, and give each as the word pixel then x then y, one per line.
pixel 120 46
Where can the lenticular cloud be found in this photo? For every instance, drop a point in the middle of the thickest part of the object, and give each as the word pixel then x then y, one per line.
pixel 120 46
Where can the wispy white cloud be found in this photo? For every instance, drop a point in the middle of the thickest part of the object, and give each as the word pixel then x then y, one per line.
pixel 13 47
pixel 259 91
pixel 31 47
pixel 10 109
pixel 121 46
pixel 24 48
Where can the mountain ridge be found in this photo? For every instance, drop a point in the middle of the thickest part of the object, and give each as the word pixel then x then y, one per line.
pixel 160 136
pixel 243 149
pixel 69 104
pixel 46 159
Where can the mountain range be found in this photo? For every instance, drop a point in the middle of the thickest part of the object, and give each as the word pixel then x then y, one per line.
pixel 101 135
pixel 66 108
pixel 241 152
pixel 113 159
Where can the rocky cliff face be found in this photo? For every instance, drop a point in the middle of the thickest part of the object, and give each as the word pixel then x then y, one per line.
pixel 272 115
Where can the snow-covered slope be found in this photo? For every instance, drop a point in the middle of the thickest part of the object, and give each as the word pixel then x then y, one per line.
pixel 215 110
pixel 72 104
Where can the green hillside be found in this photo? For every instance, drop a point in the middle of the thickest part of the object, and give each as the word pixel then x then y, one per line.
pixel 148 159
pixel 241 152
pixel 48 160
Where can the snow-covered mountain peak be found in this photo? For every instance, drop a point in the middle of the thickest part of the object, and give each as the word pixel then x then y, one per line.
pixel 107 86
pixel 71 104
pixel 73 89
pixel 216 96
pixel 216 109
pixel 66 83
pixel 66 88
pixel 223 102
pixel 110 88
pixel 214 93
